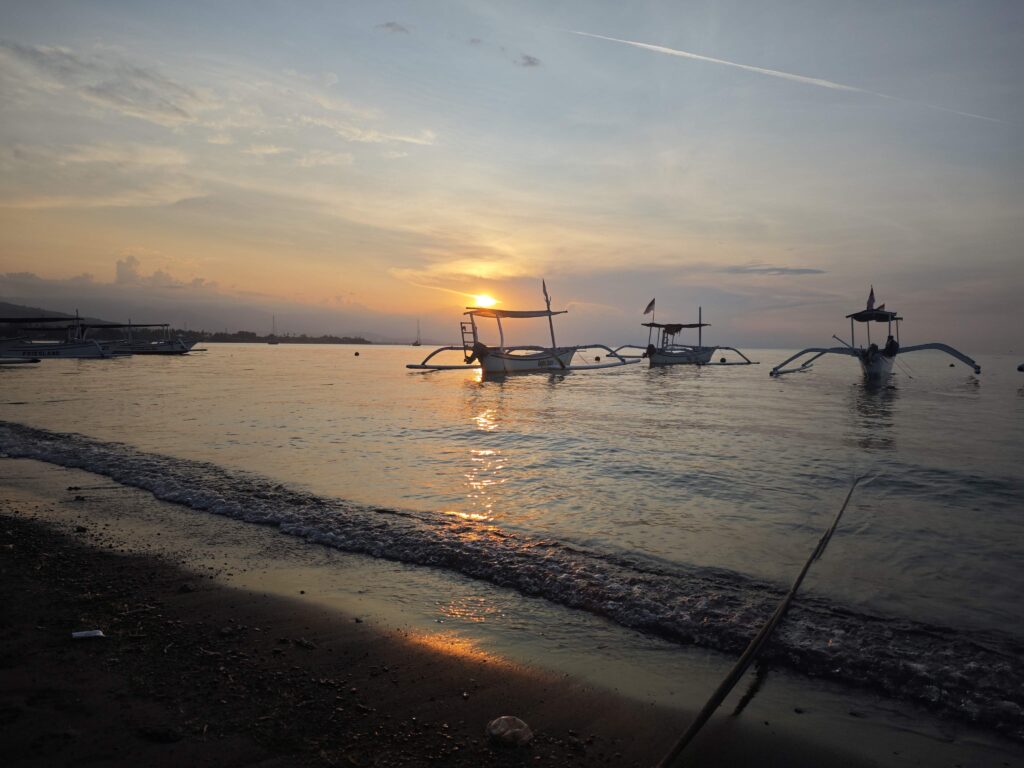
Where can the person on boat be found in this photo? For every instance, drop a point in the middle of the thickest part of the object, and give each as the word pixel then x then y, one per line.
pixel 891 347
pixel 478 351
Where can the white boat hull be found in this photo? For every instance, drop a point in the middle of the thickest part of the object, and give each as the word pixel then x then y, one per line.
pixel 172 347
pixel 681 356
pixel 506 363
pixel 876 367
pixel 42 350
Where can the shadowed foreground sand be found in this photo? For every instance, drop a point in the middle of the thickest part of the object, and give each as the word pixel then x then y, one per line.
pixel 192 672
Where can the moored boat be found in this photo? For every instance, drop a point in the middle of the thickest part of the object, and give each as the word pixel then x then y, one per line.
pixel 74 345
pixel 876 362
pixel 664 348
pixel 503 359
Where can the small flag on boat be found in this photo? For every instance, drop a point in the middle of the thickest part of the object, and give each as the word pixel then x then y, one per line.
pixel 871 298
pixel 650 308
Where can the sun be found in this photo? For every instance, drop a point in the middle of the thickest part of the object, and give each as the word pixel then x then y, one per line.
pixel 484 301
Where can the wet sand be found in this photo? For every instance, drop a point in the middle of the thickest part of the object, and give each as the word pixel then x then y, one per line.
pixel 192 671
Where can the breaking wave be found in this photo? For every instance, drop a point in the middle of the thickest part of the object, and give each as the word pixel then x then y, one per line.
pixel 971 675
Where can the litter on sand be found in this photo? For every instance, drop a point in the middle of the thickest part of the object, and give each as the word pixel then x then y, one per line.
pixel 87 633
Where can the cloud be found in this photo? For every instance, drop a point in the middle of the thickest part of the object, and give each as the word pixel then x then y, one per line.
pixel 264 150
pixel 126 271
pixel 147 194
pixel 526 60
pixel 393 26
pixel 354 133
pixel 816 81
pixel 137 155
pixel 107 81
pixel 463 270
pixel 766 269
pixel 88 176
pixel 318 158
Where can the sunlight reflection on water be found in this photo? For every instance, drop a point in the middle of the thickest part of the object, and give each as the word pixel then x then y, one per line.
pixel 719 467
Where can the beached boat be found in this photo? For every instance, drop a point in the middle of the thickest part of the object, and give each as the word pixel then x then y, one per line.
pixel 670 351
pixel 502 359
pixel 876 362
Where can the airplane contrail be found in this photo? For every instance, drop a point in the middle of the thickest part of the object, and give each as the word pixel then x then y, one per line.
pixel 784 75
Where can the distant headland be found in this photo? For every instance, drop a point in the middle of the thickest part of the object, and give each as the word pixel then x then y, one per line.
pixel 151 334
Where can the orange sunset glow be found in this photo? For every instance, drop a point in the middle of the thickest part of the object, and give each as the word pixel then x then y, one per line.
pixel 353 183
pixel 484 301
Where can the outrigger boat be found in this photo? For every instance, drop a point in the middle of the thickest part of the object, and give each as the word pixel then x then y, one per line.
pixel 669 351
pixel 503 359
pixel 75 345
pixel 163 346
pixel 875 361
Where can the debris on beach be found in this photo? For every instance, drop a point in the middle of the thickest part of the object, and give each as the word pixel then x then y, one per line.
pixel 87 633
pixel 509 730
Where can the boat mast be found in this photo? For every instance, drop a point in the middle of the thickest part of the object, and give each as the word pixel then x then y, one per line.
pixel 551 324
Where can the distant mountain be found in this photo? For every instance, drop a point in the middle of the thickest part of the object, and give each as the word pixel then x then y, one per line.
pixel 20 310
pixel 9 310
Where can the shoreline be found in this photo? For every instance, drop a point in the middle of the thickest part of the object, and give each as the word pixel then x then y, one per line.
pixel 196 671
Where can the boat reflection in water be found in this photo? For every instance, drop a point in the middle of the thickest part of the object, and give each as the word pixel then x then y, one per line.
pixel 872 415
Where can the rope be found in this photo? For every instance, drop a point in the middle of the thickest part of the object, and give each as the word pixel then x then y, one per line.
pixel 904 368
pixel 755 645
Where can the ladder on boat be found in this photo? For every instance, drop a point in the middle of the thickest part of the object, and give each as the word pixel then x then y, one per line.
pixel 468 336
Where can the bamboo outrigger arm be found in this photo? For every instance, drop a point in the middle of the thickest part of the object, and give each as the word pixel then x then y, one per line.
pixel 943 348
pixel 424 367
pixel 779 370
pixel 618 350
pixel 620 359
pixel 747 360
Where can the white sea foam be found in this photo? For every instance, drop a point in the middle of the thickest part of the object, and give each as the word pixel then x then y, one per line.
pixel 972 675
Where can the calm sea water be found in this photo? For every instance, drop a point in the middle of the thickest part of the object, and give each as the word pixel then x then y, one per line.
pixel 681 501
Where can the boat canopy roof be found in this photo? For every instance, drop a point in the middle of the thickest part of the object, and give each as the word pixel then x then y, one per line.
pixel 125 325
pixel 36 319
pixel 874 316
pixel 517 313
pixel 672 328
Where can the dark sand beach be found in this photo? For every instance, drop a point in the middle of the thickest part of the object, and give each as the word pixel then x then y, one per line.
pixel 192 671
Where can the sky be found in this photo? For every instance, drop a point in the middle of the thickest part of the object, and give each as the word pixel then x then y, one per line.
pixel 352 167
